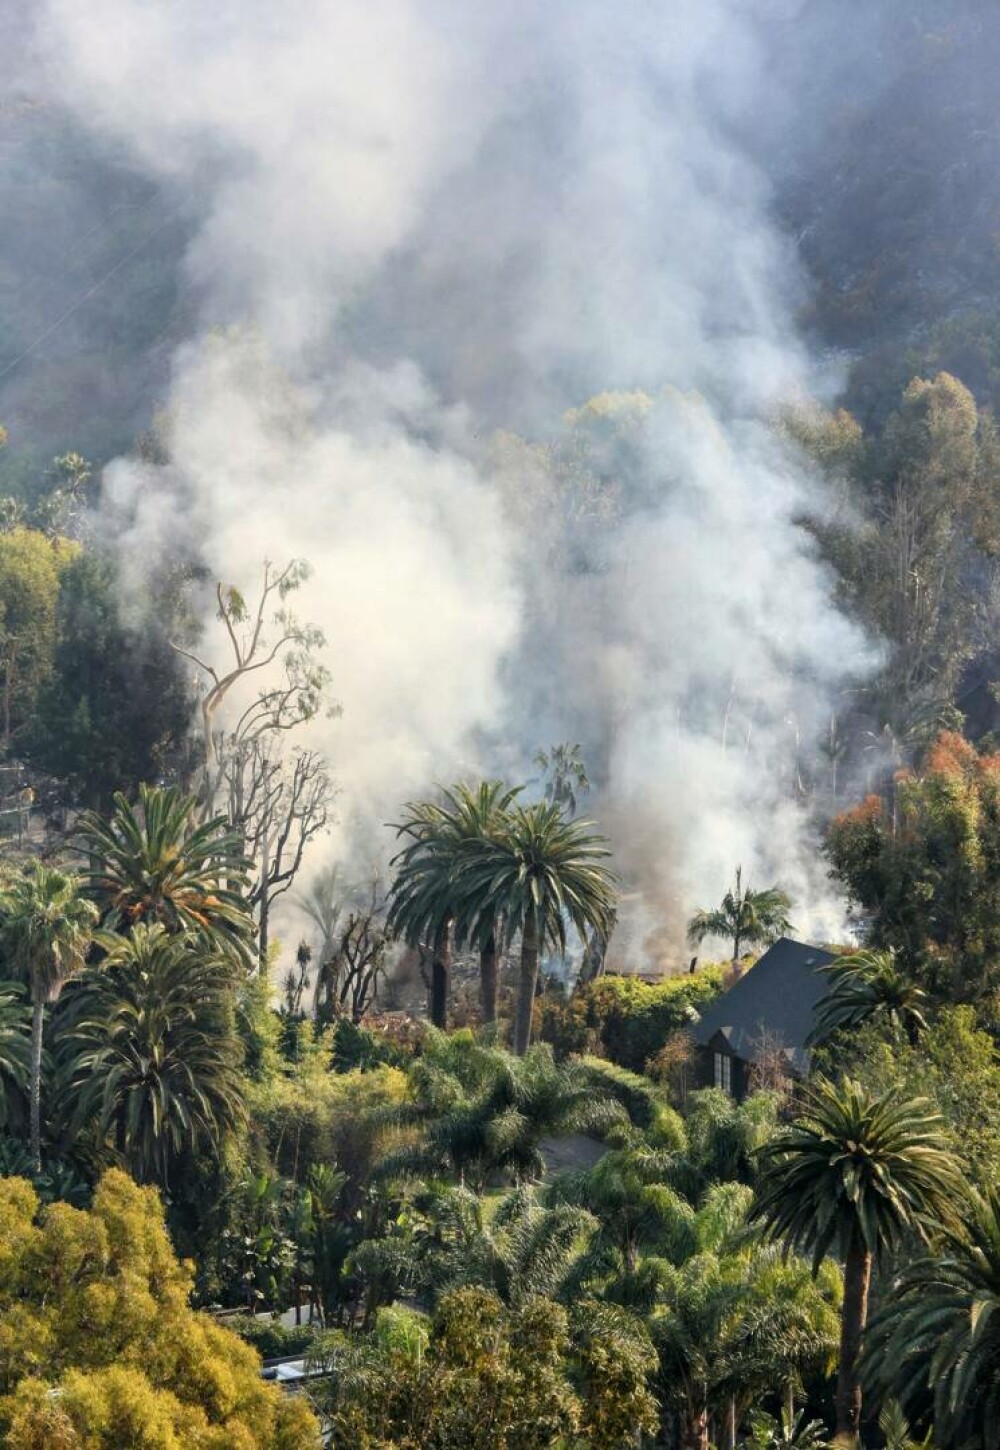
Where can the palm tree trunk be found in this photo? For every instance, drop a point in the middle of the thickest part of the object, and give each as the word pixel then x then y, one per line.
pixel 37 1023
pixel 488 978
pixel 698 1437
pixel 527 977
pixel 854 1316
pixel 441 976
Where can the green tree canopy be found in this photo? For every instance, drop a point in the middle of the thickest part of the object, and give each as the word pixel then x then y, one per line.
pixel 46 928
pixel 746 917
pixel 151 1050
pixel 857 1175
pixel 101 1347
pixel 927 874
pixel 150 862
pixel 115 708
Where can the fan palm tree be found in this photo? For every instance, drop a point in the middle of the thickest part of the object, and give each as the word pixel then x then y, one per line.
pixel 150 863
pixel 151 1051
pixel 15 1043
pixel 748 918
pixel 46 928
pixel 865 985
pixel 936 1338
pixel 541 872
pixel 858 1174
pixel 426 894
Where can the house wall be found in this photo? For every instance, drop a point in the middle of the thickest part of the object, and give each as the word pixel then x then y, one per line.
pixel 740 1070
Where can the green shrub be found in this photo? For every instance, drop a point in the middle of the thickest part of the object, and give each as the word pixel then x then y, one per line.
pixel 623 1018
pixel 642 1099
pixel 272 1339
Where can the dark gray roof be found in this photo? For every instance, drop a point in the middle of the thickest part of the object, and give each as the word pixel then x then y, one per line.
pixel 776 997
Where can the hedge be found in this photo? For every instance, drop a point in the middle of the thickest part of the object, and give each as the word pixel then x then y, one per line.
pixel 624 1018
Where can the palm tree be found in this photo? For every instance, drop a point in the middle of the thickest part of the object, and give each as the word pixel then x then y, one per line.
pixel 936 1338
pixel 869 984
pixel 427 890
pixel 493 1116
pixel 540 872
pixel 323 904
pixel 748 918
pixel 637 1213
pixel 152 1055
pixel 515 1247
pixel 150 863
pixel 15 1042
pixel 788 1432
pixel 46 928
pixel 858 1174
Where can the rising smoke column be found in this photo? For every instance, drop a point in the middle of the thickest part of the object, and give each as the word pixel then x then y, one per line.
pixel 424 222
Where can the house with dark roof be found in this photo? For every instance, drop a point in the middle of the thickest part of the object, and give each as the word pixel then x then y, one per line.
pixel 764 1020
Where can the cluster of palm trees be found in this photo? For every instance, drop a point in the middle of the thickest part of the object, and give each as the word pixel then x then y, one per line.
pixel 482 869
pixel 153 935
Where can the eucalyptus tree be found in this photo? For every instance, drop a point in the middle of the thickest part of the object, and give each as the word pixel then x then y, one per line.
pixel 46 927
pixel 263 640
pixel 151 862
pixel 935 1339
pixel 867 985
pixel 429 901
pixel 859 1175
pixel 151 1052
pixel 748 918
pixel 539 873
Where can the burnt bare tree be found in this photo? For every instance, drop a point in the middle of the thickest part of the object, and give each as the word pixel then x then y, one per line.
pixel 347 983
pixel 278 805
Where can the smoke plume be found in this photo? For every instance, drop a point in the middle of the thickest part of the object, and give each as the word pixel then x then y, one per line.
pixel 425 235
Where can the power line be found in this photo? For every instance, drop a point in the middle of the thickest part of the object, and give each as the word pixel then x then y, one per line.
pixel 75 306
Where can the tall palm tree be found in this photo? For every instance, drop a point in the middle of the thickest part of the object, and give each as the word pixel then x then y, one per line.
pixel 46 928
pixel 865 985
pixel 935 1340
pixel 152 1054
pixel 748 918
pixel 150 862
pixel 427 901
pixel 541 872
pixel 856 1174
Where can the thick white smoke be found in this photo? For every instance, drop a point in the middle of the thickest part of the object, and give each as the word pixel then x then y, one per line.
pixel 422 222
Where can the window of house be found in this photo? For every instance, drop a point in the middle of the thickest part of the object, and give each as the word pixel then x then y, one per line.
pixel 724 1072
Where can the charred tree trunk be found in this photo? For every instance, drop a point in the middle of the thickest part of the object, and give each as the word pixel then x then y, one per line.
pixel 527 978
pixel 854 1316
pixel 441 976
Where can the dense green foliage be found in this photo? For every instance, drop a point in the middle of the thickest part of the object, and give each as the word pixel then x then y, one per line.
pixel 625 1018
pixel 100 1347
